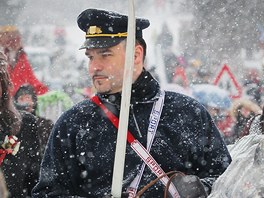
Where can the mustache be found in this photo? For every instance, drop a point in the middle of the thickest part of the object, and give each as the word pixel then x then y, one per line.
pixel 99 75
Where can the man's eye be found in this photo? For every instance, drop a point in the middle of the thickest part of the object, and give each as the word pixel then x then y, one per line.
pixel 90 57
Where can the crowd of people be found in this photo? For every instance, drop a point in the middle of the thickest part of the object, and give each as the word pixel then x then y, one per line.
pixel 23 133
pixel 233 121
pixel 75 156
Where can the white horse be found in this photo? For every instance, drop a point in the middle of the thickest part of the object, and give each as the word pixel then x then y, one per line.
pixel 244 176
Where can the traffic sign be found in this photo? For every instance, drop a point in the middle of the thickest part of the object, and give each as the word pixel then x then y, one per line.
pixel 226 80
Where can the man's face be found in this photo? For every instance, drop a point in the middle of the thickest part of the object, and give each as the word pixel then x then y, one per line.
pixel 10 40
pixel 106 68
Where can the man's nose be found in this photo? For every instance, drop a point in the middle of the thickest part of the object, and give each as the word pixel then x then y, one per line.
pixel 95 65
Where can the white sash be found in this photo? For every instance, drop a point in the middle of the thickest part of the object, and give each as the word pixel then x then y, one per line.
pixel 145 155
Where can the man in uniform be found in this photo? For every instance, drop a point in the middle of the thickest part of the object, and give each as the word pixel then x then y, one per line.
pixel 80 153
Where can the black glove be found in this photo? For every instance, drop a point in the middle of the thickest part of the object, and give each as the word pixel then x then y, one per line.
pixel 124 195
pixel 189 186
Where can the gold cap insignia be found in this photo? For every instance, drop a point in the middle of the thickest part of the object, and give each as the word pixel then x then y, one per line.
pixel 94 30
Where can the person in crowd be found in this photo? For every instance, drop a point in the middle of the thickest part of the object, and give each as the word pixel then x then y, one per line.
pixel 3 187
pixel 19 68
pixel 253 84
pixel 79 156
pixel 242 111
pixel 27 100
pixel 19 146
pixel 224 122
pixel 165 40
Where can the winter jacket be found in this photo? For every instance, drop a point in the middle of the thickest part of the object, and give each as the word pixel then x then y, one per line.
pixel 22 73
pixel 44 125
pixel 80 153
pixel 21 171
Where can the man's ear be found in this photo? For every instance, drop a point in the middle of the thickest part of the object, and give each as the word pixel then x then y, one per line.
pixel 138 54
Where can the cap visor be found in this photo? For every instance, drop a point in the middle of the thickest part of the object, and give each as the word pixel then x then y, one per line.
pixel 92 43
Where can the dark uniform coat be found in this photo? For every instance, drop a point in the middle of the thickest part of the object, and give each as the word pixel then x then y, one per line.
pixel 80 154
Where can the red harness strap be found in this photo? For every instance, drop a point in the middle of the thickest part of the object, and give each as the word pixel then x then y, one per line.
pixel 112 117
